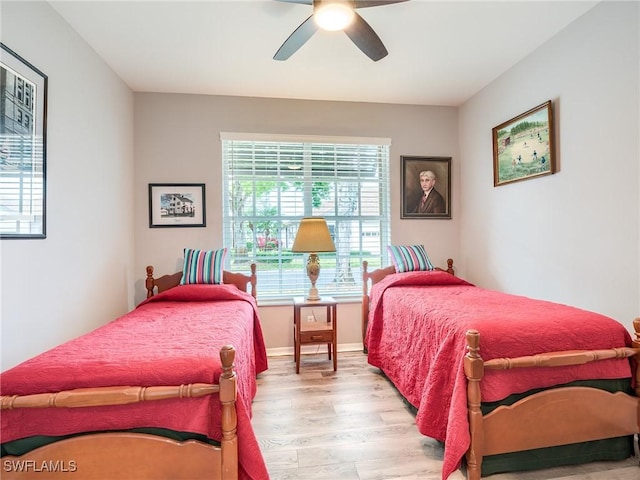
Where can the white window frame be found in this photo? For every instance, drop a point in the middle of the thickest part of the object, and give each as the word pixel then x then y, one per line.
pixel 277 281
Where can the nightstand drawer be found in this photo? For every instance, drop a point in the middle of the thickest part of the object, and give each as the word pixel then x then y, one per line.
pixel 316 336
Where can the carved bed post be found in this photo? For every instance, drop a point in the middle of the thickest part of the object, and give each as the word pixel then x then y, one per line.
pixel 253 281
pixel 450 266
pixel 149 283
pixel 365 301
pixel 474 370
pixel 229 440
pixel 636 344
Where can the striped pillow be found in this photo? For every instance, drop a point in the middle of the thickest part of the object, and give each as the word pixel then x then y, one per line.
pixel 409 258
pixel 203 266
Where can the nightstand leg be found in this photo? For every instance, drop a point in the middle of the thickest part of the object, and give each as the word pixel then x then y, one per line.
pixel 296 354
pixel 335 362
pixel 334 318
pixel 296 338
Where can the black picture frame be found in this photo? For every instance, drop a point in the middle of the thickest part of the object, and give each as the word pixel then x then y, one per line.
pixel 177 205
pixel 523 147
pixel 23 148
pixel 438 203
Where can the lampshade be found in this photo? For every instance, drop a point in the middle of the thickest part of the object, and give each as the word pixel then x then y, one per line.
pixel 333 15
pixel 313 236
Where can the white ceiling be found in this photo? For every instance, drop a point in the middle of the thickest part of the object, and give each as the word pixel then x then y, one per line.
pixel 440 52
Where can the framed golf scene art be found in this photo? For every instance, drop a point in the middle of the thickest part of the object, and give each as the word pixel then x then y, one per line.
pixel 523 146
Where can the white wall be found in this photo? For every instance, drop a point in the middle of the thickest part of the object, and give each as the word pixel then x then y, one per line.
pixel 81 275
pixel 177 140
pixel 572 237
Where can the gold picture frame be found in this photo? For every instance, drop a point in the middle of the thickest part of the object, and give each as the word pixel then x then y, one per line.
pixel 523 146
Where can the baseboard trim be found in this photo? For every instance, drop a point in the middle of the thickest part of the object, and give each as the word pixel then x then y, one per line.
pixel 312 349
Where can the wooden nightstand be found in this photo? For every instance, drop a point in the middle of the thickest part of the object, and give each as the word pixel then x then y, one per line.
pixel 305 333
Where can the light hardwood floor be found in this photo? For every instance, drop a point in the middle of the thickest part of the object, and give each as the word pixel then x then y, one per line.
pixel 353 425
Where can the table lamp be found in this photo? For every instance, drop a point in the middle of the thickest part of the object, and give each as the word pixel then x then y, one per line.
pixel 313 236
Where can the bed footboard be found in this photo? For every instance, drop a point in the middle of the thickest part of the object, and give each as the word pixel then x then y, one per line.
pixel 551 417
pixel 131 455
pixel 117 455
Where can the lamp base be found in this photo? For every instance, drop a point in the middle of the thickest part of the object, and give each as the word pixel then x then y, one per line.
pixel 313 271
pixel 313 294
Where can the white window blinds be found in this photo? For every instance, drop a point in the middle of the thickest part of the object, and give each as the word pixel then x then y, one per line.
pixel 271 182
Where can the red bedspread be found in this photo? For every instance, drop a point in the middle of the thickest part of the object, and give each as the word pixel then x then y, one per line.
pixel 171 339
pixel 416 336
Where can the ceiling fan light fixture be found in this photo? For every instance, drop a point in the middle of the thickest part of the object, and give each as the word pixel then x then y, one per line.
pixel 334 16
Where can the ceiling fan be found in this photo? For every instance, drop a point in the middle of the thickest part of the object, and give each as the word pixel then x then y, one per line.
pixel 337 15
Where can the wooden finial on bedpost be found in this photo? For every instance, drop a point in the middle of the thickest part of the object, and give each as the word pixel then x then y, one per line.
pixel 149 283
pixel 474 370
pixel 229 418
pixel 227 357
pixel 450 266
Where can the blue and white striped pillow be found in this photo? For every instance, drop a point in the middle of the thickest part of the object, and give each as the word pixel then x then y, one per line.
pixel 203 266
pixel 409 258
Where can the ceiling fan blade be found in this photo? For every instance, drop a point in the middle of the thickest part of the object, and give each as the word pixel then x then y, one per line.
pixel 302 2
pixel 373 3
pixel 298 38
pixel 361 33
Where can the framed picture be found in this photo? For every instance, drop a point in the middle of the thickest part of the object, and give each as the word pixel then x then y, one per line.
pixel 426 187
pixel 176 205
pixel 523 146
pixel 23 141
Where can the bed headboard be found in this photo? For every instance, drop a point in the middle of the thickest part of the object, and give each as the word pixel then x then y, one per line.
pixel 376 275
pixel 166 282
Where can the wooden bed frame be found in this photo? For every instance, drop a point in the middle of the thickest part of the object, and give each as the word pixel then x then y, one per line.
pixel 166 282
pixel 545 419
pixel 552 417
pixel 131 455
pixel 375 276
pixel 136 455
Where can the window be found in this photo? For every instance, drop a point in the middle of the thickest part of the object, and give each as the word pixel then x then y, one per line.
pixel 271 182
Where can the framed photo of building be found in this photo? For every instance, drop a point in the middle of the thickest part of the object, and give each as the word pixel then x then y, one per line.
pixel 23 147
pixel 523 146
pixel 176 205
pixel 426 187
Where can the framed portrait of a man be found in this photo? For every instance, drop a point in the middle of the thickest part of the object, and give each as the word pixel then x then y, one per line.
pixel 426 187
